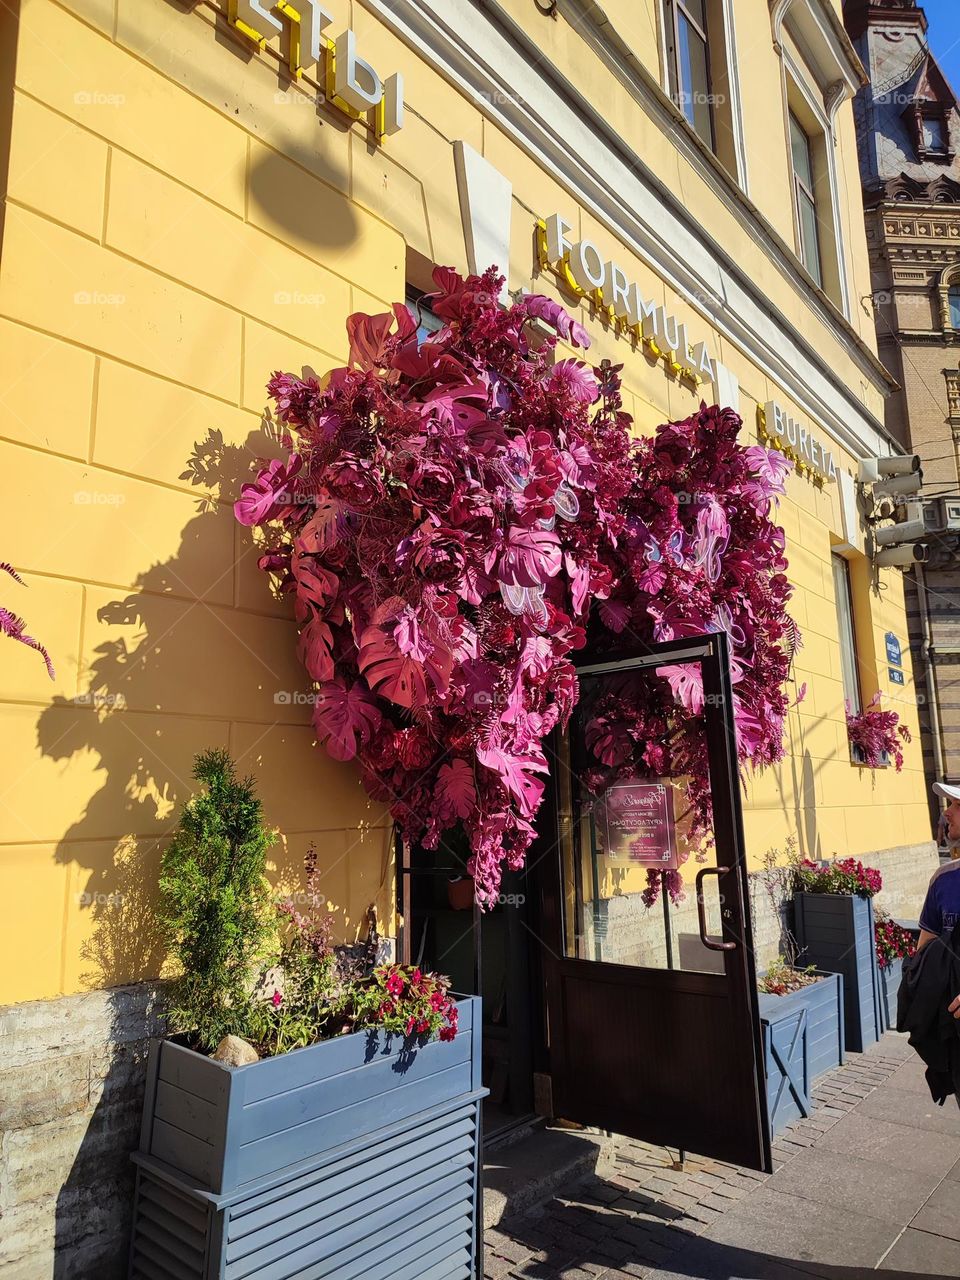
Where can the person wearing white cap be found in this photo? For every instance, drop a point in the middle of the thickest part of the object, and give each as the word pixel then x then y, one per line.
pixel 941 909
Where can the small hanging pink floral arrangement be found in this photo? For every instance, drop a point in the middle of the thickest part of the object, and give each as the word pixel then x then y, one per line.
pixel 457 515
pixel 877 734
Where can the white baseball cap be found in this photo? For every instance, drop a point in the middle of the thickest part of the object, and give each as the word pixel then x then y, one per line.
pixel 946 790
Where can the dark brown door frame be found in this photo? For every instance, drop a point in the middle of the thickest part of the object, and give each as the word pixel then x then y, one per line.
pixel 674 995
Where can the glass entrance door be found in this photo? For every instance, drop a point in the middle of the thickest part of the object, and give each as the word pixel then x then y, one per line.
pixel 653 1023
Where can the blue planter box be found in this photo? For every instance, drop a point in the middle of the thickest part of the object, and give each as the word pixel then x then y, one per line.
pixel 889 986
pixel 357 1157
pixel 802 1038
pixel 835 932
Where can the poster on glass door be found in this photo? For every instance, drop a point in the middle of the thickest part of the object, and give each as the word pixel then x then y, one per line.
pixel 635 824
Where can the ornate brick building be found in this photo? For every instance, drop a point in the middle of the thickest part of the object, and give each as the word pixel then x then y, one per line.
pixel 908 134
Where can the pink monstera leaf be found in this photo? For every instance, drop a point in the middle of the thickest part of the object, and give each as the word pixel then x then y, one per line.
pixel 269 494
pixel 516 773
pixel 346 718
pixel 372 336
pixel 322 531
pixel 395 675
pixel 686 683
pixel 456 790
pixel 529 557
pixel 316 648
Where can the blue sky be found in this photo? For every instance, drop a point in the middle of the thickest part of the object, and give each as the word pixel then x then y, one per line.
pixel 943 17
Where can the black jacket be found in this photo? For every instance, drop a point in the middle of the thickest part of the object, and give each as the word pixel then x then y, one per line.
pixel 931 979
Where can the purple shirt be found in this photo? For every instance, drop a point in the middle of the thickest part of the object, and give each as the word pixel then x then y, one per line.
pixel 941 909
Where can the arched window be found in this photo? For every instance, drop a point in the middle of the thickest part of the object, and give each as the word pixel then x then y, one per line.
pixel 950 299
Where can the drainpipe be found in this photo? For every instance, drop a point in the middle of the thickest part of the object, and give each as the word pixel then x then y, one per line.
pixel 929 674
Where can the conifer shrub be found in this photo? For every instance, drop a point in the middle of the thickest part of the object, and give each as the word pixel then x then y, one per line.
pixel 215 903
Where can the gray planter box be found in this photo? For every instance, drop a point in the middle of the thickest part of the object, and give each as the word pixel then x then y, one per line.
pixel 889 986
pixel 835 932
pixel 802 1038
pixel 357 1157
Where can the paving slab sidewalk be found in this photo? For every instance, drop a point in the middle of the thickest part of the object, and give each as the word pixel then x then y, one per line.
pixel 870 1182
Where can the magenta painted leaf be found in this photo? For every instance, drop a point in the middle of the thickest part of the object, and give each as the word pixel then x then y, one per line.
pixel 322 530
pixel 456 790
pixel 409 637
pixel 686 681
pixel 315 649
pixel 269 494
pixel 608 739
pixel 615 615
pixel 345 718
pixel 516 772
pixel 391 673
pixel 316 585
pixel 529 557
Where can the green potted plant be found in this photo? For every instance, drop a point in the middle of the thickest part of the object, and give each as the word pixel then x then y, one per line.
pixel 302 1105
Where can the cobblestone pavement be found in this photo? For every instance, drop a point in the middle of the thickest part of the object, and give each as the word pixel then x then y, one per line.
pixel 871 1180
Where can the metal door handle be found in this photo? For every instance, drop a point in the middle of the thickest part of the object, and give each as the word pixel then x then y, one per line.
pixel 712 944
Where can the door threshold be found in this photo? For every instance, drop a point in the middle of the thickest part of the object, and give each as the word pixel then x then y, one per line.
pixel 505 1135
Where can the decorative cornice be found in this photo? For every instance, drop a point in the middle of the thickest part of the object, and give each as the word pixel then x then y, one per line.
pixel 498 66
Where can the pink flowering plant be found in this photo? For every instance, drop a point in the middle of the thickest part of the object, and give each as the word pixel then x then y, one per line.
pixel 842 875
pixel 404 1001
pixel 878 735
pixel 893 942
pixel 455 517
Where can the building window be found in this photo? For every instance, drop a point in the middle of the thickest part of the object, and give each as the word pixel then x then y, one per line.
pixel 418 304
pixel 953 305
pixel 688 64
pixel 934 133
pixel 804 199
pixel 848 644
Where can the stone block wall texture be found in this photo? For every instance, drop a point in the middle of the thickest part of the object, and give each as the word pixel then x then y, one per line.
pixel 71 1093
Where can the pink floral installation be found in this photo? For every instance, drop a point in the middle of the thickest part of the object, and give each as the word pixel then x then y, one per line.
pixel 456 516
pixel 878 735
pixel 14 627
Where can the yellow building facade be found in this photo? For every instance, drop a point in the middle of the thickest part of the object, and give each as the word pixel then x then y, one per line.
pixel 185 214
pixel 183 217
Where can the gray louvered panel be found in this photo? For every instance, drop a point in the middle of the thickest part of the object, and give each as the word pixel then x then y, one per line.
pixel 359 1171
pixel 325 1216
pixel 331 1239
pixel 380 1255
pixel 170 1233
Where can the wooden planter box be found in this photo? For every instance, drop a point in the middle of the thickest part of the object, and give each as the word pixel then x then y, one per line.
pixel 889 986
pixel 357 1157
pixel 802 1038
pixel 835 932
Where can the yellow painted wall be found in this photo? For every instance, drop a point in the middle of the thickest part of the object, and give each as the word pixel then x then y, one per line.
pixel 179 223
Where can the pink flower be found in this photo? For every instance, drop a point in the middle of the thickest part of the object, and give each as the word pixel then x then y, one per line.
pixel 277 999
